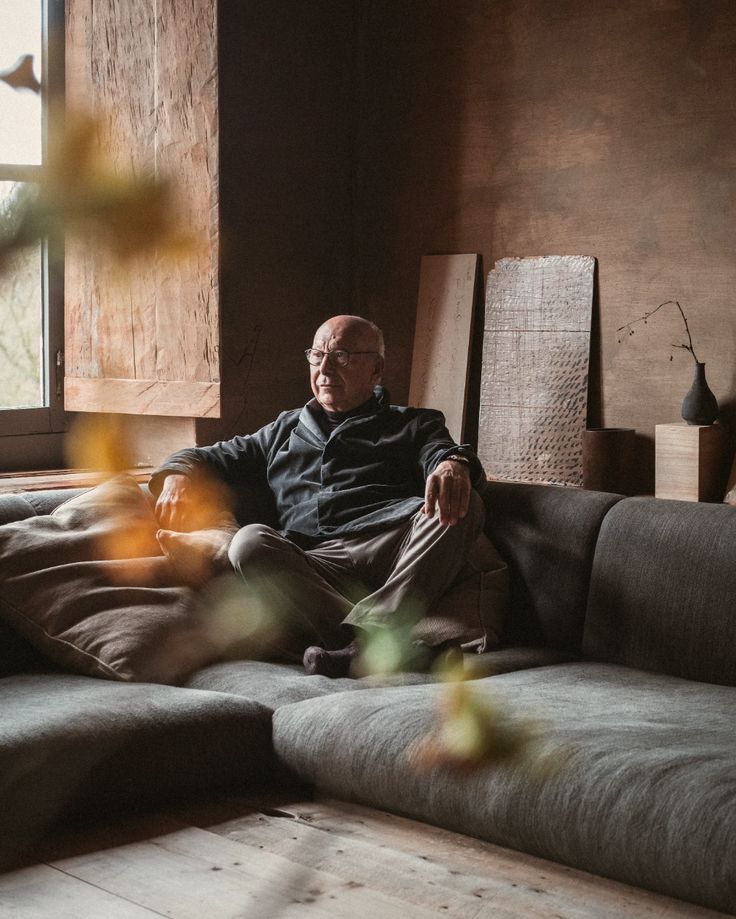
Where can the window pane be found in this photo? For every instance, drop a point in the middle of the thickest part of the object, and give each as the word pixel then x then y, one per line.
pixel 20 124
pixel 21 315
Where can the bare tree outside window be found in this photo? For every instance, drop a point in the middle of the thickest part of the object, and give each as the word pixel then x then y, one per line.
pixel 22 279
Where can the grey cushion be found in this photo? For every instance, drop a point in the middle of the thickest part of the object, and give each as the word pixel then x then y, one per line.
pixel 547 536
pixel 514 657
pixel 15 507
pixel 71 743
pixel 646 795
pixel 274 685
pixel 34 503
pixel 267 683
pixel 663 591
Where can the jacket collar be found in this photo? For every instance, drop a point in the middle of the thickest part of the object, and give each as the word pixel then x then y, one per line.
pixel 378 404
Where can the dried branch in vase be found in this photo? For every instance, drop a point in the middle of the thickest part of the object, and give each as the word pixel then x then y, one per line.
pixel 628 329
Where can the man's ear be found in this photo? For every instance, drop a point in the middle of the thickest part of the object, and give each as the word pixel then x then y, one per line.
pixel 378 368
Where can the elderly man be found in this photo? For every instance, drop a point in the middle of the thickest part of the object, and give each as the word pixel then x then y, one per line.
pixel 375 506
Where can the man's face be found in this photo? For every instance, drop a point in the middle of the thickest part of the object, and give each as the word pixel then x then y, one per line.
pixel 341 389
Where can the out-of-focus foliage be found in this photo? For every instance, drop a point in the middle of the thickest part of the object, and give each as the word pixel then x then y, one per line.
pixel 471 731
pixel 21 75
pixel 80 194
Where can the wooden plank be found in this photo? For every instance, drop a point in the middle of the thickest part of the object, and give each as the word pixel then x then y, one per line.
pixel 190 873
pixel 51 479
pixel 42 892
pixel 378 867
pixel 147 397
pixel 533 402
pixel 450 872
pixel 149 74
pixel 440 363
pixel 274 855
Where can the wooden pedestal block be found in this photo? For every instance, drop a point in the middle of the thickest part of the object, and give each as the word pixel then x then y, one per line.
pixel 689 461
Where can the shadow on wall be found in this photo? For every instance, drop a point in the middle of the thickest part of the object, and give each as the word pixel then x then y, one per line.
pixel 415 91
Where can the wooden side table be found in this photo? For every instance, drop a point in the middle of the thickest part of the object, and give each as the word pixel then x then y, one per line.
pixel 689 461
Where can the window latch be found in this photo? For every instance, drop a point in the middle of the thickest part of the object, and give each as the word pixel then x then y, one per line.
pixel 59 372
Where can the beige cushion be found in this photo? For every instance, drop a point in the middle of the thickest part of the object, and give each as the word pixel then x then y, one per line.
pixel 89 587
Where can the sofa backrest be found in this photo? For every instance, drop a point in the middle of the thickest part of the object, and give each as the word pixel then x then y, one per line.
pixel 663 589
pixel 546 535
pixel 33 503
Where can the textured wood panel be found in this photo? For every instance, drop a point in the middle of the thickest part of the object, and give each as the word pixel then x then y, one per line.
pixel 440 364
pixel 533 399
pixel 148 71
pixel 146 397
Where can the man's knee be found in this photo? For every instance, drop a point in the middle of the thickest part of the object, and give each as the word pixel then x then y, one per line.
pixel 254 546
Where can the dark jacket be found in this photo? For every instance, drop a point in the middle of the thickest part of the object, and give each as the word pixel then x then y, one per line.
pixel 368 474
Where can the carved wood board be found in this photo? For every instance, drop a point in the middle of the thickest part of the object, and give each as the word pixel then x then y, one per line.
pixel 534 386
pixel 440 363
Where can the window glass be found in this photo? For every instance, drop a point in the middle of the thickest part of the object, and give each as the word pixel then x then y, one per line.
pixel 20 124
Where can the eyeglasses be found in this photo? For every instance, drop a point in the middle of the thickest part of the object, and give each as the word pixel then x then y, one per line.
pixel 341 358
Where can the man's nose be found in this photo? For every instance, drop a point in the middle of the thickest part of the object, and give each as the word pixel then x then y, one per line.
pixel 327 361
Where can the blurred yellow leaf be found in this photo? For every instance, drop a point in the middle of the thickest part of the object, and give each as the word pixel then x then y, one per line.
pixel 100 442
pixel 81 194
pixel 471 732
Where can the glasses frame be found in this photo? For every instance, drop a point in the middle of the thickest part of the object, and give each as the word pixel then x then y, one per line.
pixel 333 355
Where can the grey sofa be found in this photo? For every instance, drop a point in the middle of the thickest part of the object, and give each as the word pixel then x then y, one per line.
pixel 620 646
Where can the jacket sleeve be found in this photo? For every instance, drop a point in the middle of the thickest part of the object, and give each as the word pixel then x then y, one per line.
pixel 435 445
pixel 235 462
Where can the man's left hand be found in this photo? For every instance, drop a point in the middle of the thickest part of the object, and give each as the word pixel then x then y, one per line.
pixel 448 491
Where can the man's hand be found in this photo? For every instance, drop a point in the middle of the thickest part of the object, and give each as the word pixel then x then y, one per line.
pixel 448 490
pixel 177 497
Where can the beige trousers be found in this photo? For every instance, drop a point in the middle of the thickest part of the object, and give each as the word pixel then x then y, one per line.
pixel 313 596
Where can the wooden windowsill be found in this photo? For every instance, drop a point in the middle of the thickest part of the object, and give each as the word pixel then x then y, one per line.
pixel 15 482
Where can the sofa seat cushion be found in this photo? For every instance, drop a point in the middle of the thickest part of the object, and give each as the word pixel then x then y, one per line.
pixel 513 657
pixel 274 685
pixel 645 792
pixel 71 743
pixel 269 684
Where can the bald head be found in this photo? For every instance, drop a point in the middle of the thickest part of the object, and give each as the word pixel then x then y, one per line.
pixel 351 328
pixel 342 388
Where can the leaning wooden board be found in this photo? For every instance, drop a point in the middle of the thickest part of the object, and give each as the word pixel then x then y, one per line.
pixel 440 364
pixel 534 389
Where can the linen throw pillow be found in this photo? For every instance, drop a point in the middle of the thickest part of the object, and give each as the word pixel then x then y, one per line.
pixel 89 587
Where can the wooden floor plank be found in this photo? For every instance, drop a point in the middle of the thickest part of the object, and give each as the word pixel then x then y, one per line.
pixel 465 866
pixel 40 892
pixel 245 858
pixel 588 894
pixel 192 873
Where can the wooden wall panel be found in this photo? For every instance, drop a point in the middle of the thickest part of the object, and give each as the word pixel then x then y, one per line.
pixel 532 128
pixel 148 71
pixel 440 366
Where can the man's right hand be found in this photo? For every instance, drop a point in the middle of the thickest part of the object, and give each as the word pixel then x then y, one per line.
pixel 176 502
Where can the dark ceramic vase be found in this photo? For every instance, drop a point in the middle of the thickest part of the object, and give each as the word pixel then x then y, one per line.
pixel 699 406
